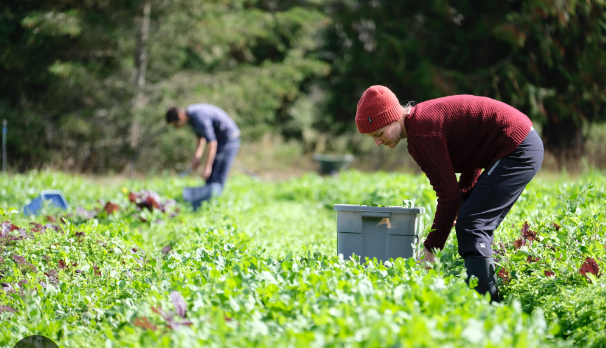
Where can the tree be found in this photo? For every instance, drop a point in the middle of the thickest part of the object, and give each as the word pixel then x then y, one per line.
pixel 61 79
pixel 546 58
pixel 72 74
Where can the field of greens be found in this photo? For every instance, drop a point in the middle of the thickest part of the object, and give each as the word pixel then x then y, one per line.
pixel 131 265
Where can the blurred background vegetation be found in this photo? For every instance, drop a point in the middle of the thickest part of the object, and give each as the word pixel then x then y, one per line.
pixel 85 84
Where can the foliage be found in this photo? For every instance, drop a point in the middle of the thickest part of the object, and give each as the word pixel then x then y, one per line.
pixel 68 75
pixel 257 267
pixel 559 267
pixel 545 58
pixel 69 69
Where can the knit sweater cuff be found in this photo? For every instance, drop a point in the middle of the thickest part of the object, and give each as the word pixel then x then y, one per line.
pixel 442 226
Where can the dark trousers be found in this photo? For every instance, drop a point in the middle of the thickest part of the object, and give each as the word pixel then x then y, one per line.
pixel 226 153
pixel 494 194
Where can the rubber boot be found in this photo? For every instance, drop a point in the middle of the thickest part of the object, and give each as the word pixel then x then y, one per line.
pixel 483 268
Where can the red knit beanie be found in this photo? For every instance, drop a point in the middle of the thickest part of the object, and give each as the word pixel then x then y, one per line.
pixel 377 108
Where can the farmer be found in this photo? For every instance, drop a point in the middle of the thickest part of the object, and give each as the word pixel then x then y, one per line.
pixel 492 145
pixel 211 125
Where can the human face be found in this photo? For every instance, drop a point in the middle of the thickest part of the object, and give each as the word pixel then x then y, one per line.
pixel 181 121
pixel 389 135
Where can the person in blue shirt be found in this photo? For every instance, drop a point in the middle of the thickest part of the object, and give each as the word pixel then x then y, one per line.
pixel 214 127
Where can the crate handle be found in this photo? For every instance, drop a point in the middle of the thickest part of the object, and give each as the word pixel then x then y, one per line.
pixel 376 214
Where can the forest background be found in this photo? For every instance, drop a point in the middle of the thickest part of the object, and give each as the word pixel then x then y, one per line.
pixel 84 84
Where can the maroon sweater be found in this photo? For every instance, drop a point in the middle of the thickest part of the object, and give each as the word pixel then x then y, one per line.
pixel 460 134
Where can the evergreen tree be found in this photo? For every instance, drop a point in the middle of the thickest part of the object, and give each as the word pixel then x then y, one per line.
pixel 71 74
pixel 546 58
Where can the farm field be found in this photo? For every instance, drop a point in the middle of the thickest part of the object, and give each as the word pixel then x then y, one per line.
pixel 258 267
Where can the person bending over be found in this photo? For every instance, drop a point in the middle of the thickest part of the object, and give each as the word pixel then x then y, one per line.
pixel 491 144
pixel 211 125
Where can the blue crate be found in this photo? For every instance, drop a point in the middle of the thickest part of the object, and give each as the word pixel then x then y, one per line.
pixel 53 198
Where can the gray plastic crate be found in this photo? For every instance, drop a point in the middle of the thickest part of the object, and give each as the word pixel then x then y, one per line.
pixel 381 232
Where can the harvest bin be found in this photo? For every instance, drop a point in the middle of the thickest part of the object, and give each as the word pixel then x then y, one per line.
pixel 331 164
pixel 381 232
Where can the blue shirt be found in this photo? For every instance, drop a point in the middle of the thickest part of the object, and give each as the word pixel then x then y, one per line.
pixel 212 123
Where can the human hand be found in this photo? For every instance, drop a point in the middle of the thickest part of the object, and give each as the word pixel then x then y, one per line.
pixel 205 174
pixel 429 256
pixel 195 163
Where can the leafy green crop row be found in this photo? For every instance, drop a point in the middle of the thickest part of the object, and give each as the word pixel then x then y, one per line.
pixel 257 267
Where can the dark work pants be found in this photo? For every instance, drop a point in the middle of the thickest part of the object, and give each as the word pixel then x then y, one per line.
pixel 494 194
pixel 226 153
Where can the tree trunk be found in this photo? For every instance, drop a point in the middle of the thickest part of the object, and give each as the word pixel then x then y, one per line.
pixel 564 139
pixel 140 100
